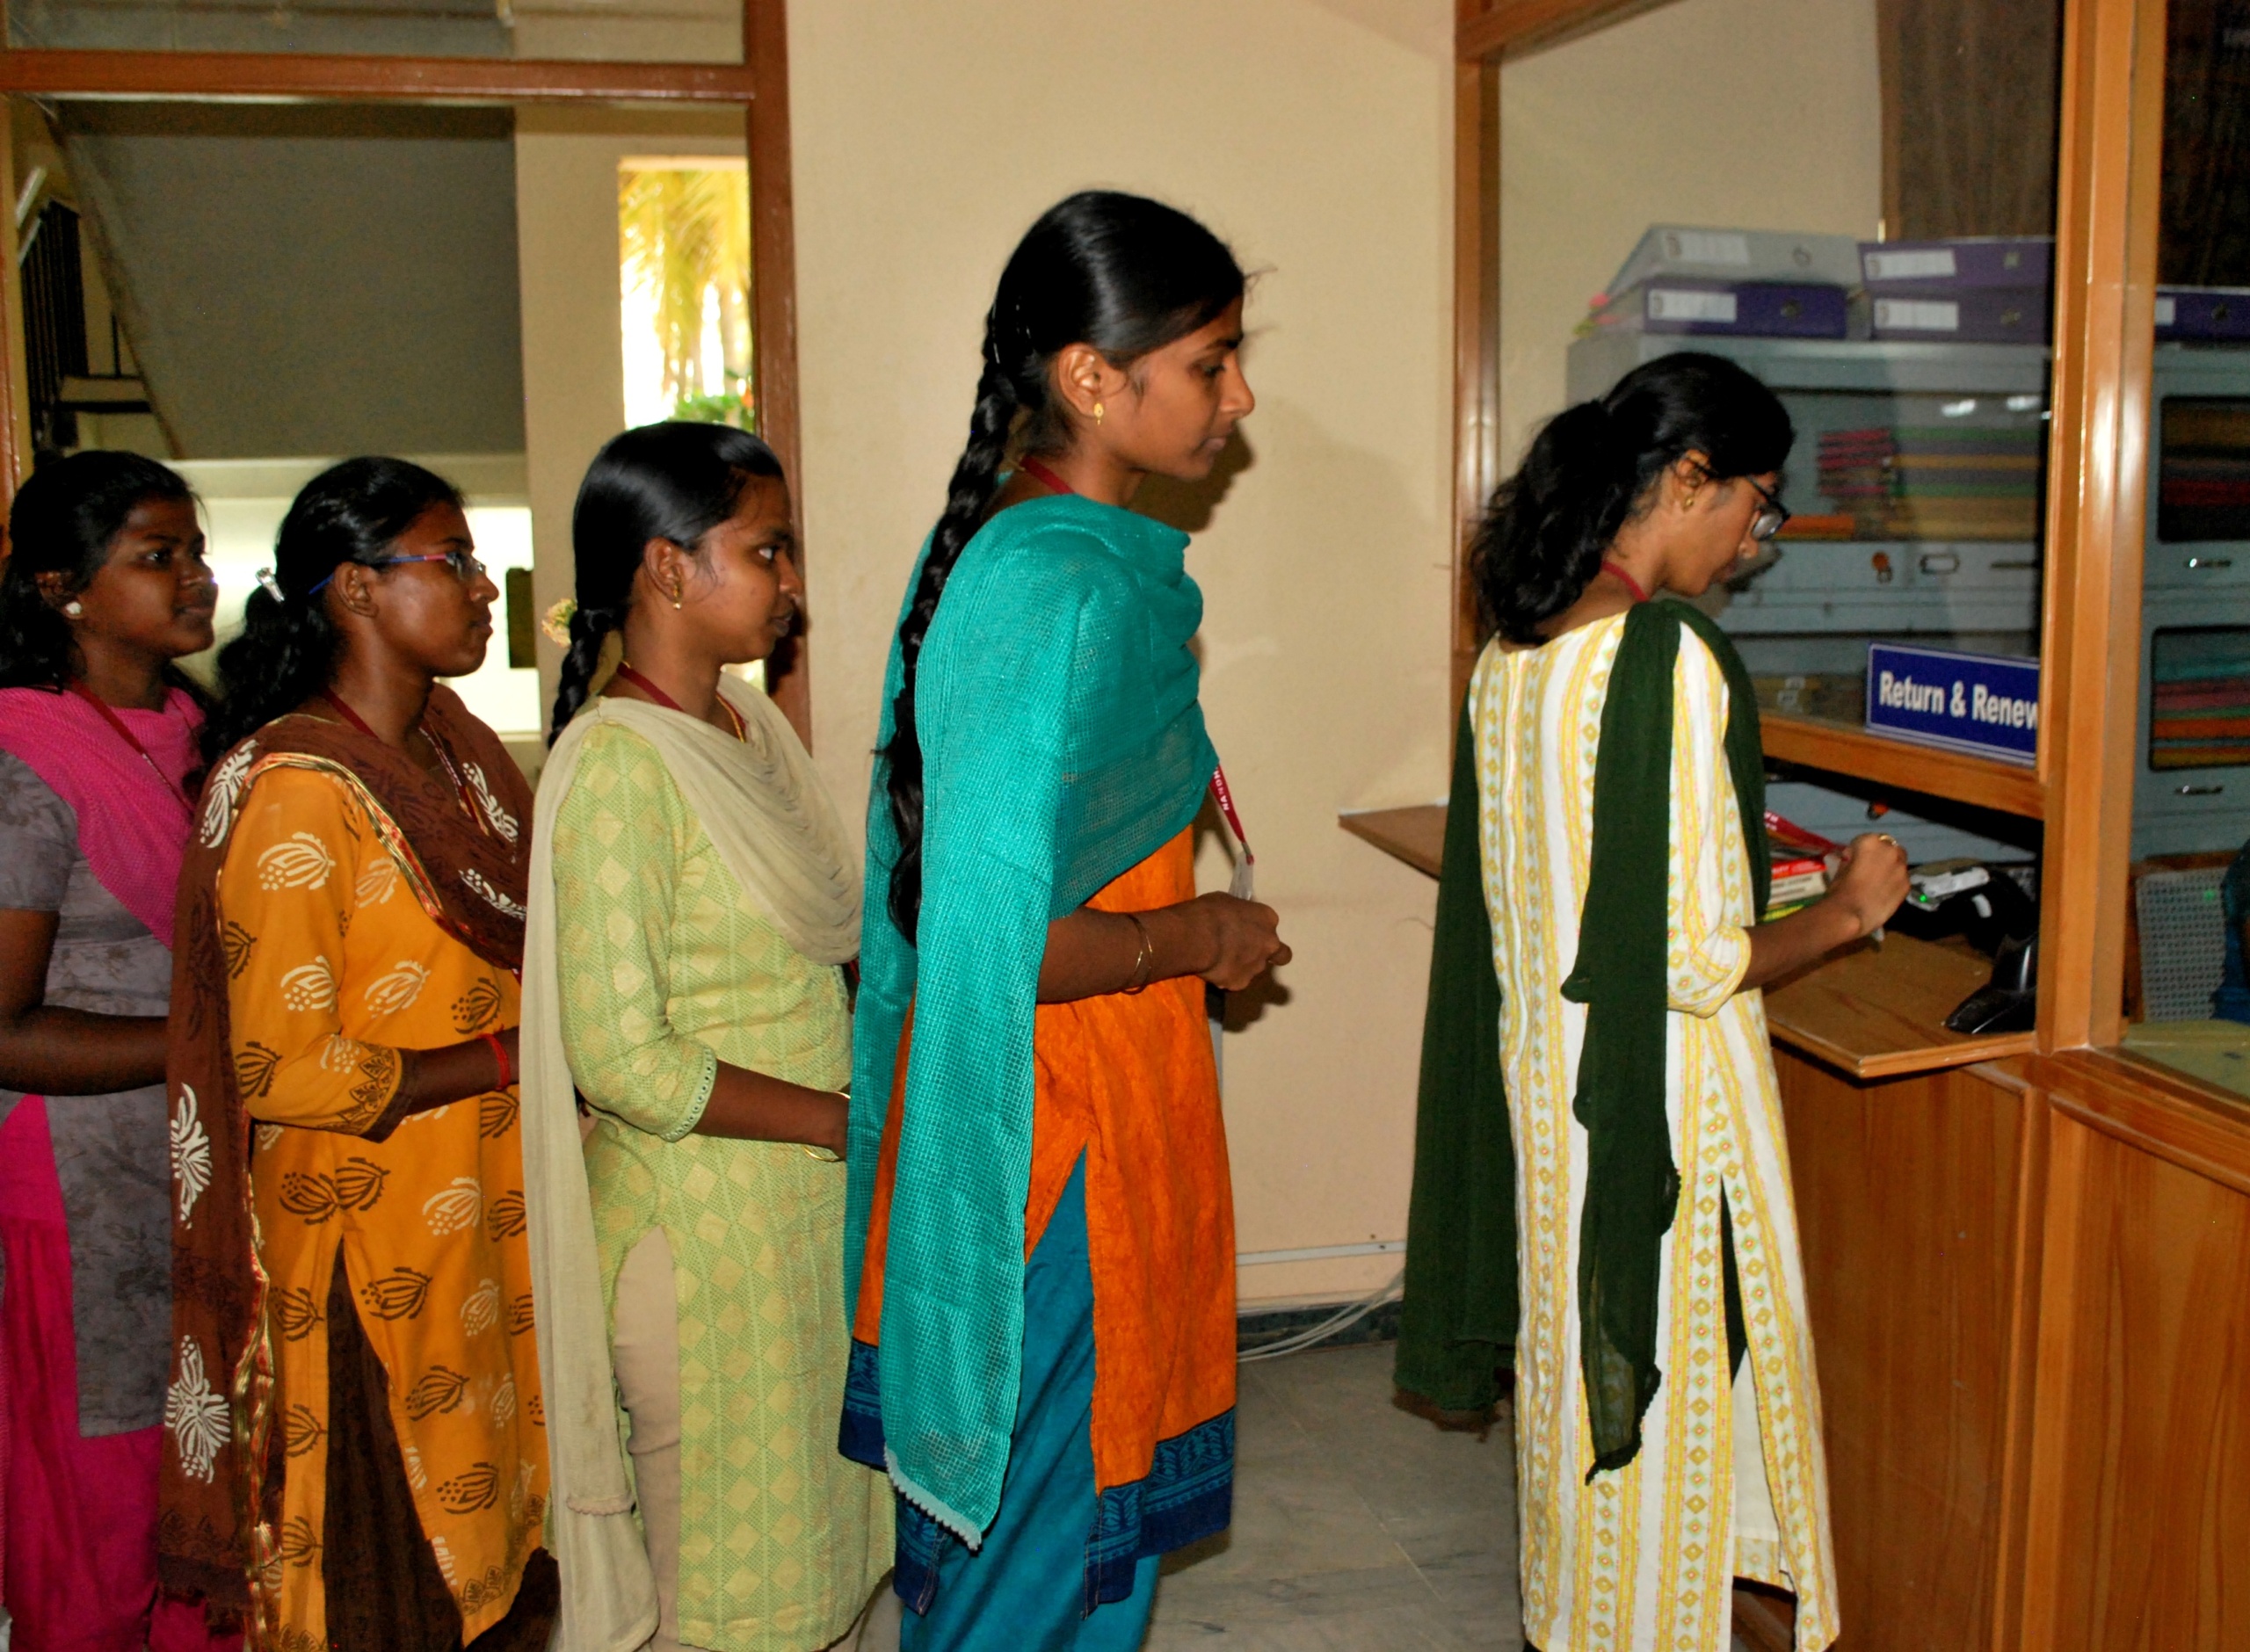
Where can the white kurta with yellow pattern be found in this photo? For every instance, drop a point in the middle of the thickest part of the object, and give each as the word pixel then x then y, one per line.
pixel 1730 1479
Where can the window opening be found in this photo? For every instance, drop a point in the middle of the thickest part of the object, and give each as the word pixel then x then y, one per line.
pixel 684 290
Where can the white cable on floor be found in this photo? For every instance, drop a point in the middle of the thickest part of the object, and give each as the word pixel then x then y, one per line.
pixel 1312 1336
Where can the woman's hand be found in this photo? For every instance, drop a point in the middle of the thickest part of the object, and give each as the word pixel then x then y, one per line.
pixel 1872 883
pixel 1866 891
pixel 1227 942
pixel 1245 940
pixel 747 1106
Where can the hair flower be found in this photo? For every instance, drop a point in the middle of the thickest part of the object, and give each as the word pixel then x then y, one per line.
pixel 557 622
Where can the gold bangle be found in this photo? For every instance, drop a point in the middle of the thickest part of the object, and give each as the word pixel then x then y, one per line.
pixel 1141 964
pixel 821 1154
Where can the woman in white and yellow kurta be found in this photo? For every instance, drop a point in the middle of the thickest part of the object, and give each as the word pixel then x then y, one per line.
pixel 1662 484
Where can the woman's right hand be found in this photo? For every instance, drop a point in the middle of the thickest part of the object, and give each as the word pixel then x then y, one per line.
pixel 1872 882
pixel 1242 938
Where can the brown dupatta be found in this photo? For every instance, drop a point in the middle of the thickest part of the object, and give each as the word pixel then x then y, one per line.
pixel 221 1485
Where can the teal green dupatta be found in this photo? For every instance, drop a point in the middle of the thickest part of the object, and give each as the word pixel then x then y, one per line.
pixel 1459 1314
pixel 1063 744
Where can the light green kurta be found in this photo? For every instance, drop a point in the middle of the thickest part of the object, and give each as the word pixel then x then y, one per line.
pixel 666 972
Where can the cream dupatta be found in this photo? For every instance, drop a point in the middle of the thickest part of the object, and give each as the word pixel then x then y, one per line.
pixel 765 811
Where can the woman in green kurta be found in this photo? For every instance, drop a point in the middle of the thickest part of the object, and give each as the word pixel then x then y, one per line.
pixel 697 900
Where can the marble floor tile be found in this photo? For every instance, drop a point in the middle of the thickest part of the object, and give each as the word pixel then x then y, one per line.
pixel 1357 1528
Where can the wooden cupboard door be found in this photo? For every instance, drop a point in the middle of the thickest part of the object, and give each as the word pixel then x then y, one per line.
pixel 1909 1194
pixel 2142 1482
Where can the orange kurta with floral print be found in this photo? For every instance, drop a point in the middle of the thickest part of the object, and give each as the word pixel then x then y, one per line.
pixel 334 969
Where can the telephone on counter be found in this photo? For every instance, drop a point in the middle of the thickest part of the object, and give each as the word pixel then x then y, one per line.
pixel 1988 909
pixel 2009 1003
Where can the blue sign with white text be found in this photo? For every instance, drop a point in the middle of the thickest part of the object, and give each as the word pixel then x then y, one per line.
pixel 1983 703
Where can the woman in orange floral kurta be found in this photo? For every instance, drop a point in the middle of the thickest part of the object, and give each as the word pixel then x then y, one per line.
pixel 358 1457
pixel 339 969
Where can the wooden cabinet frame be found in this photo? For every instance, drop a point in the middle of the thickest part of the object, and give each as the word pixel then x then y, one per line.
pixel 758 86
pixel 2111 121
pixel 2098 1473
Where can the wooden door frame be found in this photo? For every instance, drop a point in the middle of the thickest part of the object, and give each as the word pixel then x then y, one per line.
pixel 759 85
pixel 2111 120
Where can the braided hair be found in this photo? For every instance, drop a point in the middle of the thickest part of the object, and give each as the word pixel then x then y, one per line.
pixel 1121 273
pixel 676 481
pixel 1594 467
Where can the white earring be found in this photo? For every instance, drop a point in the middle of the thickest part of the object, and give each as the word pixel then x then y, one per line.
pixel 74 609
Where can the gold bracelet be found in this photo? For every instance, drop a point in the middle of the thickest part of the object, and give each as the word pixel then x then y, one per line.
pixel 821 1154
pixel 1139 981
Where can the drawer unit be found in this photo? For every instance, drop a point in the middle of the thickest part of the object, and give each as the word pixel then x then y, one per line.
pixel 1937 588
pixel 2216 564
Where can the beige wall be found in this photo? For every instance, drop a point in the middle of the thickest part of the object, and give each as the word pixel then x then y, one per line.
pixel 1315 135
pixel 1316 139
pixel 1760 115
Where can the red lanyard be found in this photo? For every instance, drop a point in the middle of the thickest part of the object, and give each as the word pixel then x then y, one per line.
pixel 1625 579
pixel 348 715
pixel 742 729
pixel 118 723
pixel 1226 808
pixel 1039 472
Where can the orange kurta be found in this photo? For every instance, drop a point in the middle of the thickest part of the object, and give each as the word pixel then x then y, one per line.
pixel 335 968
pixel 1129 1081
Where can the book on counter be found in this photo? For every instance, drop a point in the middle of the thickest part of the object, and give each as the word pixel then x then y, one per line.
pixel 1798 881
pixel 1743 309
pixel 1803 862
pixel 2203 314
pixel 1971 315
pixel 1957 264
pixel 1668 250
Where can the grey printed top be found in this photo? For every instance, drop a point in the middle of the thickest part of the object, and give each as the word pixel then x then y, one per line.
pixel 112 1152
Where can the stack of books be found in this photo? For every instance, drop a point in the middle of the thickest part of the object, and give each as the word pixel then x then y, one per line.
pixel 2202 483
pixel 2199 694
pixel 1954 482
pixel 1798 881
pixel 1803 862
pixel 1740 283
pixel 1981 289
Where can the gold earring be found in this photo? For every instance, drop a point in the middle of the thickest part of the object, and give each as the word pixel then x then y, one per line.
pixel 675 596
pixel 1096 412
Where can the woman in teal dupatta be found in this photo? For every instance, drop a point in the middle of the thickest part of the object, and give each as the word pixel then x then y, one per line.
pixel 1038 1168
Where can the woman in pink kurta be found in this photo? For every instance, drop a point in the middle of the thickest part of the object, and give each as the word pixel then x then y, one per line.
pixel 107 587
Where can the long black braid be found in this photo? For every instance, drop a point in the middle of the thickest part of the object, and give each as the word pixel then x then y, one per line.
pixel 1122 273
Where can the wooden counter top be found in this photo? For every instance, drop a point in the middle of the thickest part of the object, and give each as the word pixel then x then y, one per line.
pixel 1873 1012
pixel 1415 836
pixel 1877 1012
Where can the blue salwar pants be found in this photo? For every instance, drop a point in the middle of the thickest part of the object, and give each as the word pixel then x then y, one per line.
pixel 1025 1590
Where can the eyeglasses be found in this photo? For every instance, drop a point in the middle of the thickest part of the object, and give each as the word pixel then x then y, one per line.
pixel 1773 515
pixel 465 565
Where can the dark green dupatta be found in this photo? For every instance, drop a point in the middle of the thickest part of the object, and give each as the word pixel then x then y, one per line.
pixel 1457 1326
pixel 1461 1309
